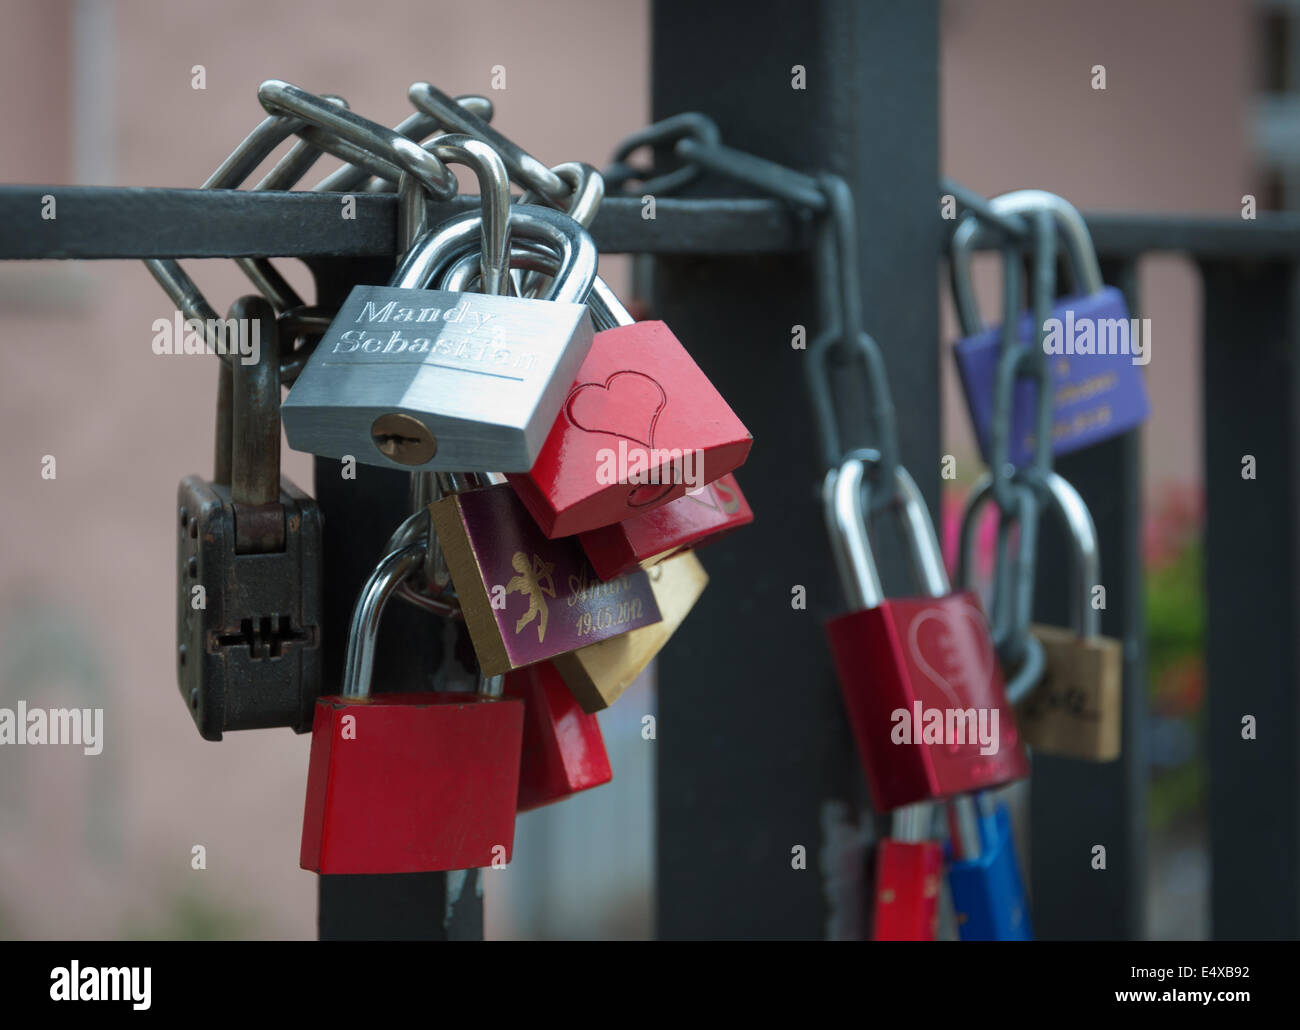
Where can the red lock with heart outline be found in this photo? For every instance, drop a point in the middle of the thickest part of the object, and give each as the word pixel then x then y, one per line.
pixel 640 426
pixel 699 517
pixel 919 675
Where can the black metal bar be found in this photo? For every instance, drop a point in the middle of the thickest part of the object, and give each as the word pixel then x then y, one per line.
pixel 1076 805
pixel 110 222
pixel 754 755
pixel 404 907
pixel 1251 343
pixel 105 222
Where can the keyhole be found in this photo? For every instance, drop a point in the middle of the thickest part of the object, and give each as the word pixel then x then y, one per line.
pixel 403 438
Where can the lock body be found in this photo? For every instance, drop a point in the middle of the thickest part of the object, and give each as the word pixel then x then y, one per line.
pixel 484 376
pixel 563 749
pixel 907 890
pixel 1077 709
pixel 988 893
pixel 527 598
pixel 248 645
pixel 597 674
pixel 411 783
pixel 640 425
pixel 696 518
pixel 930 658
pixel 1095 396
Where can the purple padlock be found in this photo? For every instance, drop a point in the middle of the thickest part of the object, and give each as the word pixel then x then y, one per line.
pixel 527 598
pixel 1094 349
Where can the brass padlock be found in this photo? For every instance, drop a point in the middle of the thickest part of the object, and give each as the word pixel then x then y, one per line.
pixel 1077 709
pixel 598 673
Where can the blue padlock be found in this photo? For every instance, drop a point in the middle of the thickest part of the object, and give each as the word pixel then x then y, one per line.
pixel 1094 350
pixel 988 894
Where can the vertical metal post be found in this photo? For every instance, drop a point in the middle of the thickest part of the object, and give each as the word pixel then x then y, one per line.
pixel 1076 805
pixel 754 754
pixel 360 515
pixel 1252 321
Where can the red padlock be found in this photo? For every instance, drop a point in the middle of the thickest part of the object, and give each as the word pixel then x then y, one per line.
pixel 908 871
pixel 919 676
pixel 699 517
pixel 563 750
pixel 407 783
pixel 640 426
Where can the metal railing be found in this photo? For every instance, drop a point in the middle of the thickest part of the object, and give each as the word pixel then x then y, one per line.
pixel 1250 348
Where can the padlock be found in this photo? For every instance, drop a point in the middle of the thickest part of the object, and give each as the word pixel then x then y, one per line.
pixel 428 380
pixel 248 605
pixel 1096 395
pixel 527 598
pixel 988 892
pixel 407 782
pixel 1076 710
pixel 908 872
pixel 563 749
pixel 640 426
pixel 599 673
pixel 919 676
pixel 696 518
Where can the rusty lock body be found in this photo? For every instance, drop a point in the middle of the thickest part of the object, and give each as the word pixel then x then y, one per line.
pixel 912 669
pixel 407 782
pixel 248 609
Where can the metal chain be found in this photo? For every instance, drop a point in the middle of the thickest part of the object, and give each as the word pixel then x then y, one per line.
pixel 842 340
pixel 1019 493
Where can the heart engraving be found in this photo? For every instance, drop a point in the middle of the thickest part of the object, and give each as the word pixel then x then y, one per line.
pixel 949 647
pixel 627 404
pixel 648 493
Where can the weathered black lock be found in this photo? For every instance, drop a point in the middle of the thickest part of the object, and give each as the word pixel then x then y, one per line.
pixel 248 610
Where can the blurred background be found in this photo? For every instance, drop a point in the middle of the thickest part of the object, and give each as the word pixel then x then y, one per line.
pixel 1199 109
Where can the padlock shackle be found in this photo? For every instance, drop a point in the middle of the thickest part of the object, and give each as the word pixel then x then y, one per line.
pixel 255 407
pixel 1074 518
pixel 559 234
pixel 494 202
pixel 431 258
pixel 363 630
pixel 607 311
pixel 846 501
pixel 588 193
pixel 969 235
pixel 846 526
pixel 912 822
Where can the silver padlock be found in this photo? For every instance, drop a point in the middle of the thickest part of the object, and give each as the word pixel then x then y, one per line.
pixel 419 379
